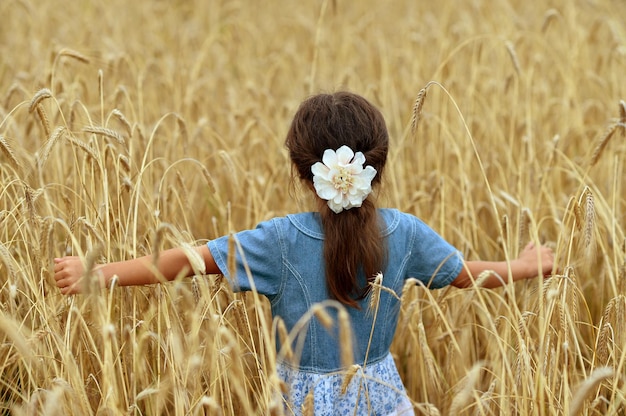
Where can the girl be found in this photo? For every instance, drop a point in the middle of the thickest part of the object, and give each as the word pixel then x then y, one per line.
pixel 338 146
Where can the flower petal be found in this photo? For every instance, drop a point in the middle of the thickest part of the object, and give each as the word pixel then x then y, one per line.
pixel 329 158
pixel 364 179
pixel 359 159
pixel 344 155
pixel 320 170
pixel 337 208
pixel 325 189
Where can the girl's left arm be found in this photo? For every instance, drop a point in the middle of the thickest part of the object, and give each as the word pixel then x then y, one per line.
pixel 533 261
pixel 69 271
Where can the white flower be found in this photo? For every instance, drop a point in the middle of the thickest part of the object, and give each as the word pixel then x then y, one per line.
pixel 341 178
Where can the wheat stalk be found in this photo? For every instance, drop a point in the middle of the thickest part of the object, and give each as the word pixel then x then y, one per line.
pixel 323 316
pixel 45 122
pixel 91 154
pixel 105 132
pixel 604 338
pixel 428 409
pixel 523 227
pixel 308 407
pixel 429 358
pixel 587 387
pixel 590 216
pixel 8 152
pixel 511 50
pixel 39 96
pixel 35 106
pixel 124 162
pixel 15 87
pixel 73 54
pixel 45 153
pixel 283 336
pixel 485 398
pixel 578 216
pixel 417 109
pixel 602 143
pixel 463 397
pixel 376 286
pixel 345 338
pixel 122 118
pixel 350 373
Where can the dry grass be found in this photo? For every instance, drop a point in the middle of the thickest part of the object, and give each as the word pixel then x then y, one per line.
pixel 119 139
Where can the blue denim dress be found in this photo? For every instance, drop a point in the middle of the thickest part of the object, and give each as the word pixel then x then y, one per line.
pixel 284 257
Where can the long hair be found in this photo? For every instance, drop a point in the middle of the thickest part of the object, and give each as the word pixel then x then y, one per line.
pixel 352 238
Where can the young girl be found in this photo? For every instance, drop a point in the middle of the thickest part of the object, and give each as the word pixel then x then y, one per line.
pixel 338 146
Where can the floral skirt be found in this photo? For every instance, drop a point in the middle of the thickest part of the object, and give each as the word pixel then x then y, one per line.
pixel 375 390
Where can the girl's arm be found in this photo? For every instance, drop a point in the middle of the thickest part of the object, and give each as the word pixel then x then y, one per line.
pixel 532 262
pixel 68 271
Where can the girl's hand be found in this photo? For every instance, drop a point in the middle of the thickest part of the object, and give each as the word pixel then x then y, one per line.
pixel 68 273
pixel 531 259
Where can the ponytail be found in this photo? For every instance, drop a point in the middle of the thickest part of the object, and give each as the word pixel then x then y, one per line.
pixel 352 244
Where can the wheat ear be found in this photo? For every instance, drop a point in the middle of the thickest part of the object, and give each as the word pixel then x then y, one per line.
pixel 39 96
pixel 417 109
pixel 463 397
pixel 511 50
pixel 348 377
pixel 104 132
pixel 345 338
pixel 47 148
pixel 589 217
pixel 602 143
pixel 585 388
pixel 8 152
pixel 308 408
pixel 73 54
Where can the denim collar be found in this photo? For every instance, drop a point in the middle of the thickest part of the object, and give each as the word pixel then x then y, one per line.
pixel 310 223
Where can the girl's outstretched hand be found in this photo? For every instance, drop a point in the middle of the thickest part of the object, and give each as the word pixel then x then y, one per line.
pixel 532 262
pixel 68 273
pixel 533 259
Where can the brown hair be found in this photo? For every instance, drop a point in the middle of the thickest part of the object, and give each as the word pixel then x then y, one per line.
pixel 352 238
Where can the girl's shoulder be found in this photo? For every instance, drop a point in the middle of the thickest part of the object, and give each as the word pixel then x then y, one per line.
pixel 394 219
pixel 308 223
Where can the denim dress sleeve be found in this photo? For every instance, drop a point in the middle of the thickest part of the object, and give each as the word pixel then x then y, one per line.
pixel 432 260
pixel 258 253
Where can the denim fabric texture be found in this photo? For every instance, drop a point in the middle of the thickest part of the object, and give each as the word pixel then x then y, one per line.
pixel 285 259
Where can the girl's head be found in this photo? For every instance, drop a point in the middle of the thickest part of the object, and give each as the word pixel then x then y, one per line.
pixel 328 122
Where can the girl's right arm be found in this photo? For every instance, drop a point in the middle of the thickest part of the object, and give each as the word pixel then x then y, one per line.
pixel 69 271
pixel 532 262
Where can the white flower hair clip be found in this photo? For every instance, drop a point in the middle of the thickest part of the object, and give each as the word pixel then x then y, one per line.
pixel 341 179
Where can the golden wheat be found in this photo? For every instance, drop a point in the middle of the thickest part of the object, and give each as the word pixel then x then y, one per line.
pixel 349 375
pixel 112 134
pixel 602 143
pixel 417 109
pixel 47 148
pixel 481 169
pixel 345 338
pixel 586 387
pixel 73 54
pixel 8 152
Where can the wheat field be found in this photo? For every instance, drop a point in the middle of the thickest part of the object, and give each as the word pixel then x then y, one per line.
pixel 131 127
